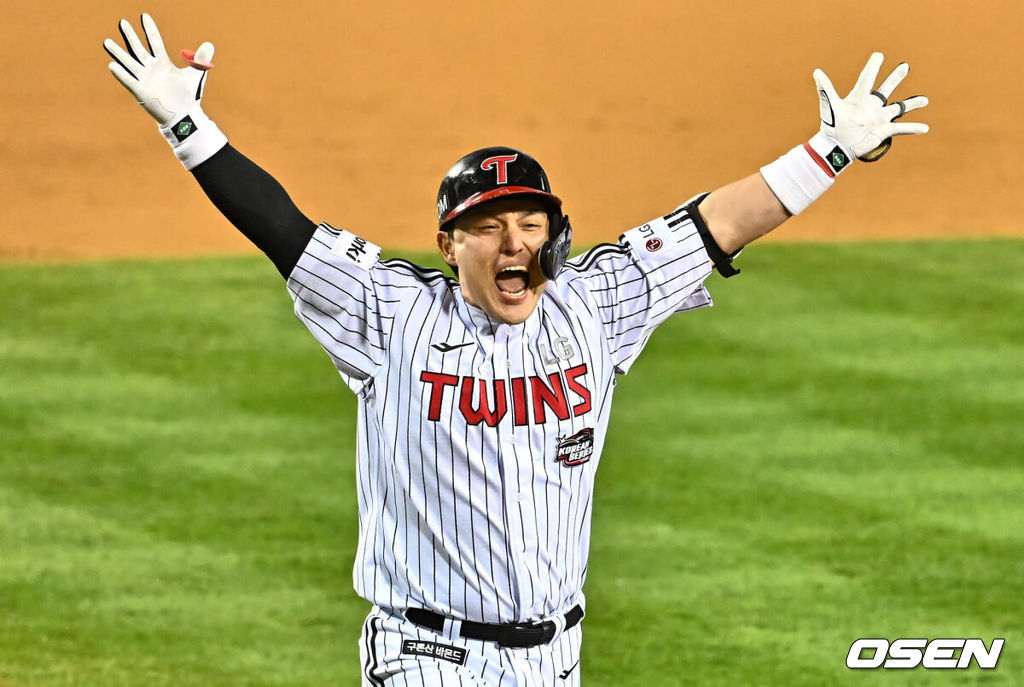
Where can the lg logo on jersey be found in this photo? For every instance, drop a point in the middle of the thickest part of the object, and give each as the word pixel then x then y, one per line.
pixel 653 242
pixel 562 349
pixel 531 397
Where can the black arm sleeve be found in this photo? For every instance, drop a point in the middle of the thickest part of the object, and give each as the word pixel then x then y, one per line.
pixel 257 205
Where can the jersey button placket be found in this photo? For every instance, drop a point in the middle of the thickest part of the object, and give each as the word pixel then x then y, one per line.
pixel 505 343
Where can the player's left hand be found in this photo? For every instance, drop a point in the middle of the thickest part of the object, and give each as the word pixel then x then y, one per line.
pixel 862 122
pixel 166 92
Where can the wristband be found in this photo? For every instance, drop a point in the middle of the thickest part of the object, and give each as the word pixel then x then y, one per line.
pixel 799 177
pixel 721 261
pixel 194 137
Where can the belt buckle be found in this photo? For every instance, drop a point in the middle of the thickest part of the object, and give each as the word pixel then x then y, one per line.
pixel 526 635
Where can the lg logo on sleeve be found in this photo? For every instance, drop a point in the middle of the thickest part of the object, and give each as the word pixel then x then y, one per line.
pixel 937 654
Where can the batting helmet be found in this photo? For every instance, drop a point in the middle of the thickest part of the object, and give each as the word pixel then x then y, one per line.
pixel 499 172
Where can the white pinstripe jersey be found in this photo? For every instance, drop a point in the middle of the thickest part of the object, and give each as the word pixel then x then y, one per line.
pixel 478 441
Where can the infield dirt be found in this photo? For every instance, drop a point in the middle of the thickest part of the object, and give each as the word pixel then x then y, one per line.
pixel 358 109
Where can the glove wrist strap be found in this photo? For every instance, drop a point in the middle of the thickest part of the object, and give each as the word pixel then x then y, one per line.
pixel 802 175
pixel 193 137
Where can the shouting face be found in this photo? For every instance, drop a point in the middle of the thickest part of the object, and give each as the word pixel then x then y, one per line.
pixel 495 248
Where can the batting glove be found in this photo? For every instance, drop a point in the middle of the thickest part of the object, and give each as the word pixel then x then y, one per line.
pixel 171 95
pixel 862 123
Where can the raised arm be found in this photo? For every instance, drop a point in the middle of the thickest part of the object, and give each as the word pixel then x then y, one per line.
pixel 860 126
pixel 247 196
pixel 257 205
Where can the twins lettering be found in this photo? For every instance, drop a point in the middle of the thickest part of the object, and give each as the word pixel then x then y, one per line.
pixel 483 400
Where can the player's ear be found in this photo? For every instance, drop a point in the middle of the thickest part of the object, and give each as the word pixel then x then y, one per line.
pixel 446 246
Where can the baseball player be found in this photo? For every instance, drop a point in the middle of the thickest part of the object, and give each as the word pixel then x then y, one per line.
pixel 484 399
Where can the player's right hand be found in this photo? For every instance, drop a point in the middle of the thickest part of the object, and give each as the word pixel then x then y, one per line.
pixel 166 92
pixel 862 122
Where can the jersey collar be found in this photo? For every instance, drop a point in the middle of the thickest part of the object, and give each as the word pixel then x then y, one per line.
pixel 486 328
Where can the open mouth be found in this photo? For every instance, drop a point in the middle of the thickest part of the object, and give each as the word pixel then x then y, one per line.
pixel 513 281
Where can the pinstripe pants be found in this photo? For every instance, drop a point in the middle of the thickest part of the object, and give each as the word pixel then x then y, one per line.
pixel 397 653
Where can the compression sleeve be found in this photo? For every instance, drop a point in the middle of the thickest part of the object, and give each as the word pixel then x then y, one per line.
pixel 257 205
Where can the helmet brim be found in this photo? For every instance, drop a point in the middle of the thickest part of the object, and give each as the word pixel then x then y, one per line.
pixel 503 192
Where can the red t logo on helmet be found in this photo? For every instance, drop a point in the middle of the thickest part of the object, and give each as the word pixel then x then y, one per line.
pixel 501 162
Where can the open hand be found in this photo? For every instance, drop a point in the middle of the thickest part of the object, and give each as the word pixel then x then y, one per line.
pixel 862 122
pixel 166 92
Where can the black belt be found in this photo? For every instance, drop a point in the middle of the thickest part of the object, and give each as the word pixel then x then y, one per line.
pixel 510 635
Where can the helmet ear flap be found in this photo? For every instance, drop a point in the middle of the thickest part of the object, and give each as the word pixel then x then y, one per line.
pixel 555 250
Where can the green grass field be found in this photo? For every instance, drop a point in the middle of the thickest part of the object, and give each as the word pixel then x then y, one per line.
pixel 836 450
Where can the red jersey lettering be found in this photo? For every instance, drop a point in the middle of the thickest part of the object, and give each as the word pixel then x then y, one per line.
pixel 484 413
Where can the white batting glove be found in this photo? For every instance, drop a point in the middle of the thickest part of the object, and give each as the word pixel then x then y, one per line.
pixel 861 122
pixel 171 95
